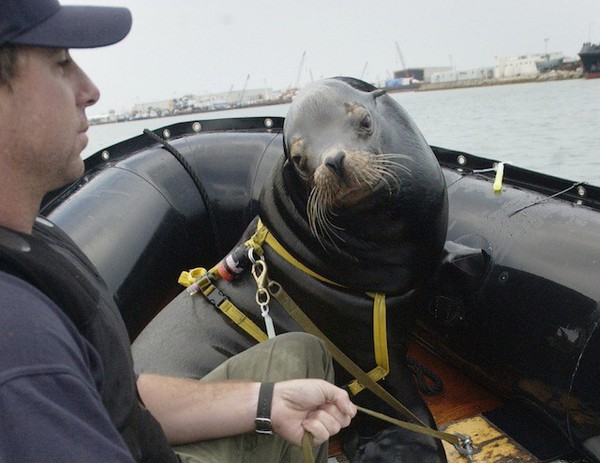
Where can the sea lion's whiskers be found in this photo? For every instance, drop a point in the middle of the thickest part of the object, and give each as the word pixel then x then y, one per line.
pixel 388 175
pixel 389 168
pixel 313 210
pixel 319 212
pixel 365 177
pixel 384 160
pixel 390 189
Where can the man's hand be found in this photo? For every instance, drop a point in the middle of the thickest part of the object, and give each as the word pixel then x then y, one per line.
pixel 310 405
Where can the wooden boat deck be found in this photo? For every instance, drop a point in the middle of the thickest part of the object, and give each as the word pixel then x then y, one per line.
pixel 458 408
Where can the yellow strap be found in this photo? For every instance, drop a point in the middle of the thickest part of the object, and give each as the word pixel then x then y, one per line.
pixel 380 344
pixel 307 448
pixel 258 239
pixel 263 235
pixel 199 276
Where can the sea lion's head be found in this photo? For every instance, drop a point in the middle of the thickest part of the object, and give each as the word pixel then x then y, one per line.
pixel 349 143
pixel 360 192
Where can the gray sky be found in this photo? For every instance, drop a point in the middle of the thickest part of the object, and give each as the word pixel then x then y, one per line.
pixel 178 47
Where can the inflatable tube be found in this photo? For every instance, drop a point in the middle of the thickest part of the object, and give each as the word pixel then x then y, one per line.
pixel 141 219
pixel 528 326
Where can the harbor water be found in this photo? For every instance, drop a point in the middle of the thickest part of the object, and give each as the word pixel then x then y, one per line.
pixel 550 127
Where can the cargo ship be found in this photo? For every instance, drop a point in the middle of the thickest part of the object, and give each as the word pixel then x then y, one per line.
pixel 590 58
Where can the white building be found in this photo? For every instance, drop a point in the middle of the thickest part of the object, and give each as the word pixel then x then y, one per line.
pixel 154 108
pixel 247 96
pixel 469 74
pixel 524 65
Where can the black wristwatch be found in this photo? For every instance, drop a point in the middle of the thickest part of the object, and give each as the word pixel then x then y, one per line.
pixel 263 411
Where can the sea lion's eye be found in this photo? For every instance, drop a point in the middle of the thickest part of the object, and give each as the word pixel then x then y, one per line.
pixel 366 123
pixel 299 161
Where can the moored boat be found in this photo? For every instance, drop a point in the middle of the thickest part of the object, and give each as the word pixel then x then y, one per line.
pixel 517 312
pixel 590 59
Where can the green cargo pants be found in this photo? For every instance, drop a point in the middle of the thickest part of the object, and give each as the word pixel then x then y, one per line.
pixel 288 356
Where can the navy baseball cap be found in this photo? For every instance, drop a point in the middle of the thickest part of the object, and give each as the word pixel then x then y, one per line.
pixel 47 23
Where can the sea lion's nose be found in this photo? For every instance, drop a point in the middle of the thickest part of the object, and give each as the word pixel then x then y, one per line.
pixel 336 163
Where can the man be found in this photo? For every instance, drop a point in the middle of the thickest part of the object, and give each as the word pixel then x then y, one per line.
pixel 67 388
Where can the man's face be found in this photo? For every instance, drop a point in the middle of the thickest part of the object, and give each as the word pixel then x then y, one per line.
pixel 42 117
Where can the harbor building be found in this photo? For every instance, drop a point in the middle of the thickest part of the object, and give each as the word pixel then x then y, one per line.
pixel 458 76
pixel 234 97
pixel 527 65
pixel 420 74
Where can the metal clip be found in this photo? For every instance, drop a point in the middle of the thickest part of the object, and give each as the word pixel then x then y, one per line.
pixel 465 446
pixel 259 272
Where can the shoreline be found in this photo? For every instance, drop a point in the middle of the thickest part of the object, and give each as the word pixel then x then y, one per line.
pixel 425 87
pixel 547 77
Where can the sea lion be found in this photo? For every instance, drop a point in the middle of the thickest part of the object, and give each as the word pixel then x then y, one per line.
pixel 369 197
pixel 360 200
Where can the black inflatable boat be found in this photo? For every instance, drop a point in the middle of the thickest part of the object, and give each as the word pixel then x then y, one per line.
pixel 520 315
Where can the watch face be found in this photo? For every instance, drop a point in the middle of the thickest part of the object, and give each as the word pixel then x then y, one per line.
pixel 264 426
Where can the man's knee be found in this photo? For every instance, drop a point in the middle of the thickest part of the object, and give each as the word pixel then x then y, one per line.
pixel 308 350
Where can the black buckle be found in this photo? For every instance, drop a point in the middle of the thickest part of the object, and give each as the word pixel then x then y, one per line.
pixel 216 297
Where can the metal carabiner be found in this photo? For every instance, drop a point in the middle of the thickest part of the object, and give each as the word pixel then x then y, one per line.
pixel 263 297
pixel 465 446
pixel 259 272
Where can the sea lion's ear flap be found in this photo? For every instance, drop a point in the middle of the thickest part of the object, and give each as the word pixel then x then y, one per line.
pixel 377 93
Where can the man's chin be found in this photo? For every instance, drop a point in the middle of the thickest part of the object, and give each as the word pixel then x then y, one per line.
pixel 74 173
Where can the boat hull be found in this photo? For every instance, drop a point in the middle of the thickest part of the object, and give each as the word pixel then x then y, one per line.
pixel 590 59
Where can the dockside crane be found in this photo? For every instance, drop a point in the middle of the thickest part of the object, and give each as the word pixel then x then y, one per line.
pixel 297 81
pixel 241 100
pixel 364 71
pixel 404 68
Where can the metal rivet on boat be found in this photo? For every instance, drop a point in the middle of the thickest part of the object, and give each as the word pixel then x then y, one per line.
pixel 462 160
pixel 581 191
pixel 166 133
pixel 105 155
pixel 196 127
pixel 268 123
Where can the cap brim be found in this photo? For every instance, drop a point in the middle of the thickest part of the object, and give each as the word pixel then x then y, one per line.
pixel 79 27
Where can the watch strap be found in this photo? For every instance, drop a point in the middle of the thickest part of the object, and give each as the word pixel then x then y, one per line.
pixel 263 411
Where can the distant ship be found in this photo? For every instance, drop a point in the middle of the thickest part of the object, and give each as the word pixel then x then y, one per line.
pixel 590 58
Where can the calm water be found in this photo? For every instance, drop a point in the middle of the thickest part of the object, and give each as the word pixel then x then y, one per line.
pixel 551 127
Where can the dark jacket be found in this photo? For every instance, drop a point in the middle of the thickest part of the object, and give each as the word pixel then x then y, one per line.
pixel 54 264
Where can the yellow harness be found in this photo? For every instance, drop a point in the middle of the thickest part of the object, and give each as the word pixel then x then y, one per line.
pixel 200 279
